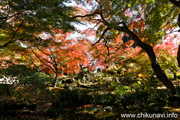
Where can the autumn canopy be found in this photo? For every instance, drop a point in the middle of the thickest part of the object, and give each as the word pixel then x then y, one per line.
pixel 60 37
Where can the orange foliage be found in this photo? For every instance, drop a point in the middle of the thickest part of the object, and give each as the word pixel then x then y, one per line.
pixel 62 54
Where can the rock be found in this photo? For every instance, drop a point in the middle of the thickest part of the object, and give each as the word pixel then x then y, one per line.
pixel 108 108
pixel 68 81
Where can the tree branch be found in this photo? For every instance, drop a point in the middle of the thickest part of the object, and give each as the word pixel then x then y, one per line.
pixel 37 66
pixel 12 39
pixel 104 32
pixel 101 14
pixel 8 17
pixel 83 16
pixel 52 59
pixel 107 48
pixel 154 63
pixel 43 61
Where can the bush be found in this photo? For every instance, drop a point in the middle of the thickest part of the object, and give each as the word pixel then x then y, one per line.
pixel 6 89
pixel 70 98
pixel 30 84
pixel 142 98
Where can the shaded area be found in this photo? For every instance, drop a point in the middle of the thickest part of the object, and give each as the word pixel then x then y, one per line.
pixel 88 103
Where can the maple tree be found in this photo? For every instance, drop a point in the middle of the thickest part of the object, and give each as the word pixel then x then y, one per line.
pixel 165 51
pixel 22 21
pixel 61 55
pixel 152 19
pixel 117 24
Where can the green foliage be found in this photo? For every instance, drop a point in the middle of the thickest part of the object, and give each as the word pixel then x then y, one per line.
pixel 104 99
pixel 30 83
pixel 70 98
pixel 6 90
pixel 168 62
pixel 39 15
pixel 157 15
pixel 133 86
pixel 16 70
pixel 21 23
pixel 143 98
pixel 121 90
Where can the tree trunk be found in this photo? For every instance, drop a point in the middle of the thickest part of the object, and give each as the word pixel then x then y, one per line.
pixel 56 74
pixel 175 76
pixel 154 63
pixel 56 81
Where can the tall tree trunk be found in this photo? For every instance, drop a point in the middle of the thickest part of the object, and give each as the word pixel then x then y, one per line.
pixel 154 63
pixel 149 50
pixel 178 56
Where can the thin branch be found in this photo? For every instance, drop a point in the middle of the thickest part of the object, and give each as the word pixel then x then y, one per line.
pixel 32 62
pixel 95 13
pixel 49 55
pixel 107 48
pixel 83 16
pixel 101 15
pixel 42 51
pixel 104 32
pixel 97 24
pixel 8 17
pixel 43 61
pixel 99 20
pixel 12 39
pixel 53 58
pixel 53 62
pixel 38 66
pixel 172 31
